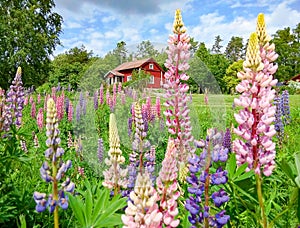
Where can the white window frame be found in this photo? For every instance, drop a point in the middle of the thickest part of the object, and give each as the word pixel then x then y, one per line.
pixel 151 79
pixel 129 78
pixel 151 66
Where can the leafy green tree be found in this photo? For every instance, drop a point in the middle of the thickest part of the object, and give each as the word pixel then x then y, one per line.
pixel 284 41
pixel 194 45
pixel 30 32
pixel 215 63
pixel 235 49
pixel 230 79
pixel 68 68
pixel 216 48
pixel 146 50
pixel 218 64
pixel 202 52
pixel 120 52
pixel 296 46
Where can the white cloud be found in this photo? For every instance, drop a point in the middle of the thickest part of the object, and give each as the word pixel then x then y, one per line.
pixel 99 25
pixel 71 25
pixel 213 24
pixel 108 19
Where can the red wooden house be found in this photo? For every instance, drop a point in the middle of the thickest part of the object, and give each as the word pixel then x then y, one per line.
pixel 123 72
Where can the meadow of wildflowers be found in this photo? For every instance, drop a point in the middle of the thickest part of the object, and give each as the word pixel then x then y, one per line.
pixel 125 158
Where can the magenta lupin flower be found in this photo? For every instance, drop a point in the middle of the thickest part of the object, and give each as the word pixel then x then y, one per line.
pixel 33 110
pixel 39 98
pixel 60 106
pixel 123 98
pixel 177 111
pixel 114 97
pixel 158 108
pixel 53 93
pixel 70 112
pixel 119 87
pixel 40 119
pixel 101 100
pixel 107 96
pixel 166 184
pixel 26 101
pixel 255 119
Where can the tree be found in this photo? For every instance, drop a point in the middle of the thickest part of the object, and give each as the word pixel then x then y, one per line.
pixel 121 52
pixel 296 47
pixel 68 68
pixel 216 63
pixel 216 48
pixel 230 79
pixel 284 42
pixel 202 52
pixel 146 50
pixel 234 50
pixel 30 32
pixel 194 45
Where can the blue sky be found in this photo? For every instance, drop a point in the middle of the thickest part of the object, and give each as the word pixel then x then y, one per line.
pixel 100 24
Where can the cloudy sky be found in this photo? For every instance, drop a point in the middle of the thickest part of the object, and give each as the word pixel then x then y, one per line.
pixel 100 24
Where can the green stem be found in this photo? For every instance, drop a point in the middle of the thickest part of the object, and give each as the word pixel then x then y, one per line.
pixel 55 193
pixel 206 185
pixel 261 201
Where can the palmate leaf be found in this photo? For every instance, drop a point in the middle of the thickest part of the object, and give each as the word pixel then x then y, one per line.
pixel 77 208
pixel 114 205
pixel 102 200
pixel 237 174
pixel 95 208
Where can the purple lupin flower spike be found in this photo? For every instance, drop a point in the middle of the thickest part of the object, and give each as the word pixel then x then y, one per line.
pixel 96 100
pixel 201 177
pixel 14 103
pixel 2 105
pixel 279 127
pixel 285 107
pixel 100 150
pixel 53 169
pixel 227 140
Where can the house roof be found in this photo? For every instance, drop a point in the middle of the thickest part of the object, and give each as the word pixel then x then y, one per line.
pixel 295 78
pixel 133 64
pixel 130 65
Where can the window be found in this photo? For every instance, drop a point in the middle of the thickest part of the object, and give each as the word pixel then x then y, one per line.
pixel 151 79
pixel 151 66
pixel 129 78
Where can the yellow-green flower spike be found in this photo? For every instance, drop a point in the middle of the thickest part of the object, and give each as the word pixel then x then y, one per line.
pixel 19 71
pixel 114 140
pixel 178 26
pixel 253 60
pixel 261 31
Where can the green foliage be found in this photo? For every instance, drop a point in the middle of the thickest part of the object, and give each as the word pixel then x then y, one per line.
pixel 210 68
pixel 31 33
pixel 139 81
pixel 287 44
pixel 230 79
pixel 146 50
pixel 69 68
pixel 235 49
pixel 94 207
